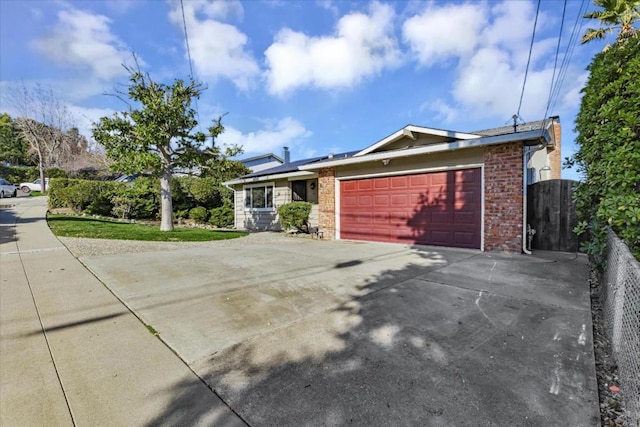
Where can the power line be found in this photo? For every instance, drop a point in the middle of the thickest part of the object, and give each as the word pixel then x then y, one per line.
pixel 186 38
pixel 573 42
pixel 526 72
pixel 555 62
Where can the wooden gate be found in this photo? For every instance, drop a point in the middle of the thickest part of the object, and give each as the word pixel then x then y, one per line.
pixel 551 212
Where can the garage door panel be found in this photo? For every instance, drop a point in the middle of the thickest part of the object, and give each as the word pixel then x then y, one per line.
pixel 365 201
pixel 348 186
pixel 418 180
pixel 349 201
pixel 440 208
pixel 381 200
pixel 381 217
pixel 364 184
pixel 400 200
pixel 437 237
pixel 381 183
pixel 461 218
pixel 398 182
pixel 467 176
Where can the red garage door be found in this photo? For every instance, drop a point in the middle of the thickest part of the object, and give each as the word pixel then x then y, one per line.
pixel 439 208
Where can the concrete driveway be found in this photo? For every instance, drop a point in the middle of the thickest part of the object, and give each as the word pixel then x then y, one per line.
pixel 291 331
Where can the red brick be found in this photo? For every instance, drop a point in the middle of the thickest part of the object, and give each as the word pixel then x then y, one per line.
pixel 503 214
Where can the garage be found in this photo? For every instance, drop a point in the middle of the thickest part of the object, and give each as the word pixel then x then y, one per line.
pixel 436 208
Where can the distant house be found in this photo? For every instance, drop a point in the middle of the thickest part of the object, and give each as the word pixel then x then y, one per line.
pixel 418 185
pixel 264 161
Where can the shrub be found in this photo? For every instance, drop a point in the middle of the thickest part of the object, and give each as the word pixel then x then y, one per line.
pixel 55 173
pixel 181 213
pixel 199 214
pixel 223 216
pixel 295 215
pixel 608 155
pixel 18 174
pixel 55 185
pixel 78 194
pixel 136 200
pixel 189 192
pixel 102 203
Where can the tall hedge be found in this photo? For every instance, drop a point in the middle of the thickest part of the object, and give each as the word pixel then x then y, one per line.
pixel 608 127
pixel 140 199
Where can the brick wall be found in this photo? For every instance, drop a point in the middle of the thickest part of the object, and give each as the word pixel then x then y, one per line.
pixel 327 202
pixel 555 154
pixel 503 197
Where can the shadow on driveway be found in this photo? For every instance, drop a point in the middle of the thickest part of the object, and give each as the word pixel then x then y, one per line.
pixel 393 336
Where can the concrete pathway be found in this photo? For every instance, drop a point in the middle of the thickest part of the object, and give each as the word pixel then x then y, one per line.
pixel 71 353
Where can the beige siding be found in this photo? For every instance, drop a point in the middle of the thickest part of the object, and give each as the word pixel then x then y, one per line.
pixel 261 220
pixel 406 165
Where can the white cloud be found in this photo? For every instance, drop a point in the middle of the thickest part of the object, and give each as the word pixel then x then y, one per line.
pixel 362 46
pixel 440 33
pixel 218 50
pixel 84 117
pixel 490 48
pixel 328 5
pixel 285 132
pixel 84 40
pixel 442 110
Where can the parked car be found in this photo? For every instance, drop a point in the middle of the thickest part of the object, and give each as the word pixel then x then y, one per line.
pixel 7 189
pixel 36 185
pixel 127 178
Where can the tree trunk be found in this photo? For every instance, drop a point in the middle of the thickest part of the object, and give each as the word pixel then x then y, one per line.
pixel 166 222
pixel 41 167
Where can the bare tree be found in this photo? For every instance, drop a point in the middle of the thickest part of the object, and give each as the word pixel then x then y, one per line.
pixel 43 122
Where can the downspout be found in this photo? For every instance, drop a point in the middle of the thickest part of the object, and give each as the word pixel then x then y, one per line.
pixel 235 218
pixel 526 157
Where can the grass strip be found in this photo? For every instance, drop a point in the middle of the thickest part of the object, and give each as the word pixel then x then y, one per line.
pixel 77 226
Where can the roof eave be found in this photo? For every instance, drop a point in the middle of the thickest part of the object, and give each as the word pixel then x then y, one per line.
pixel 528 138
pixel 270 177
pixel 410 131
pixel 262 156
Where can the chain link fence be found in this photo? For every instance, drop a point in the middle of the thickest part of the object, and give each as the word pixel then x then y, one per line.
pixel 621 297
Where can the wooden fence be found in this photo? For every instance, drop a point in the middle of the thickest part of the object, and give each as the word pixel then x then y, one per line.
pixel 551 212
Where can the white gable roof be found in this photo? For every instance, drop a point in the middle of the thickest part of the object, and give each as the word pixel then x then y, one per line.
pixel 410 131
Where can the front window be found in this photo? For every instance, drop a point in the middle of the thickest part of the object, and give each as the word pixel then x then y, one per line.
pixel 259 197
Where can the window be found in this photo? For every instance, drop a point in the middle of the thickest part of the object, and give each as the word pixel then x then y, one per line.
pixel 259 197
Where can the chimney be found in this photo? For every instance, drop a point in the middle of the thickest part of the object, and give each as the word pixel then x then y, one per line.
pixel 286 155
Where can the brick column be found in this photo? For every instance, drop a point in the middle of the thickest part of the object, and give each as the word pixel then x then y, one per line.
pixel 327 202
pixel 503 197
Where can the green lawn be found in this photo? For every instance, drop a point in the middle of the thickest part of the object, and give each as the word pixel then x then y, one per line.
pixel 76 226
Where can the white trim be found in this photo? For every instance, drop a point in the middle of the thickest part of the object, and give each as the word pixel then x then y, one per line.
pixel 259 185
pixel 434 148
pixel 482 208
pixel 408 132
pixel 305 177
pixel 336 209
pixel 412 171
pixel 259 179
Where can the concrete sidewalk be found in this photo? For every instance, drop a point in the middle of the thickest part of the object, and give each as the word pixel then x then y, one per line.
pixel 71 353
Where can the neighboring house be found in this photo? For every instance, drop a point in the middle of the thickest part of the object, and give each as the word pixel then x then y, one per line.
pixel 265 161
pixel 416 186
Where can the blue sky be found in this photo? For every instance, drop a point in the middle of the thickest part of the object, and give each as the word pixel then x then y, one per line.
pixel 317 76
